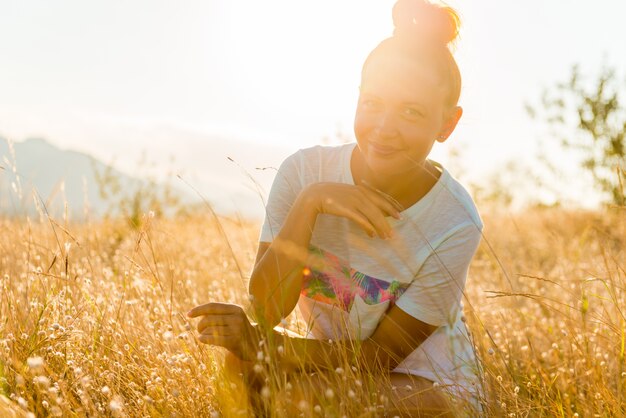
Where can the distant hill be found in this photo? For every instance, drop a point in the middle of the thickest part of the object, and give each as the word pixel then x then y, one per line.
pixel 228 174
pixel 35 167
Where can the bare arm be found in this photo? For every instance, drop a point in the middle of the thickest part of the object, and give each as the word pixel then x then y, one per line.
pixel 276 280
pixel 396 337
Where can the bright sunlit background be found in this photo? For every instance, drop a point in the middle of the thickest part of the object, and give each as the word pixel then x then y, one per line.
pixel 199 81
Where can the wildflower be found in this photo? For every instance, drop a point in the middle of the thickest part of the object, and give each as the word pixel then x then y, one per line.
pixel 351 394
pixel 358 383
pixel 339 370
pixel 317 409
pixel 42 381
pixel 303 405
pixel 265 392
pixel 22 402
pixel 408 387
pixel 115 406
pixel 281 350
pixel 260 355
pixel 491 351
pixel 499 379
pixel 435 384
pixel 35 363
pixel 168 335
pixel 105 390
pixel 258 368
pixel 329 393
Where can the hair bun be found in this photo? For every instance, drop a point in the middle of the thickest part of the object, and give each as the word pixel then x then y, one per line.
pixel 422 20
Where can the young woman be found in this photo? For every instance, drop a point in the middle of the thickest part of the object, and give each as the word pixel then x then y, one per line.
pixel 373 240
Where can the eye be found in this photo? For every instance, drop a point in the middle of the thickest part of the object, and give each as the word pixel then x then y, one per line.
pixel 369 103
pixel 412 112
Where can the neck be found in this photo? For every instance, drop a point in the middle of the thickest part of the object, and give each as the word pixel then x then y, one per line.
pixel 407 188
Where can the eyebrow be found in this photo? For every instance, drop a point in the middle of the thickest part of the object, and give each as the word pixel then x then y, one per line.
pixel 364 93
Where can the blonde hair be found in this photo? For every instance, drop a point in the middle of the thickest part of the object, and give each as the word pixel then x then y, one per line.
pixel 425 30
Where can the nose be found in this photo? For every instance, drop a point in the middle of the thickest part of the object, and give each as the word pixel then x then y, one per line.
pixel 386 125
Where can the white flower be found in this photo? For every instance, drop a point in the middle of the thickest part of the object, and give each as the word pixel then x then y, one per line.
pixel 329 393
pixel 115 405
pixel 35 362
pixel 42 381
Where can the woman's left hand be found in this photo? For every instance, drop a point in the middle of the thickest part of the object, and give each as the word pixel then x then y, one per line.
pixel 227 325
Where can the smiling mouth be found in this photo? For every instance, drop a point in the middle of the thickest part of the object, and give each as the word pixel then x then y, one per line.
pixel 382 149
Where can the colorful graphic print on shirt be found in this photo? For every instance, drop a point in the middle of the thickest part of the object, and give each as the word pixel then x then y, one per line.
pixel 337 284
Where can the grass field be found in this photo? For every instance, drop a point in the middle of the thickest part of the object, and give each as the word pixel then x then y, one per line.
pixel 92 317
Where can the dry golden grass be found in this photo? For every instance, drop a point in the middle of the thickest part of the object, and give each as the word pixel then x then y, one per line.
pixel 92 318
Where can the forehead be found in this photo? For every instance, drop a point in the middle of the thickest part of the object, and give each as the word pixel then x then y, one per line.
pixel 397 77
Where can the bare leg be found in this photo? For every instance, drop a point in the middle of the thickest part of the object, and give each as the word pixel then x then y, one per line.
pixel 416 396
pixel 413 396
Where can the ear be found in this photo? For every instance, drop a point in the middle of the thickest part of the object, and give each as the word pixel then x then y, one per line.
pixel 451 119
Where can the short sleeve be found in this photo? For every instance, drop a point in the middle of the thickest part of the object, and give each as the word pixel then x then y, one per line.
pixel 434 295
pixel 285 188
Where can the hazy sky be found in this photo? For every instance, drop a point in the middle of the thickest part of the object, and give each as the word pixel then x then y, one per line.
pixel 104 76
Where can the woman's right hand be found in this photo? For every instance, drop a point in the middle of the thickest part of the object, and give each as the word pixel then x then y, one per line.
pixel 362 204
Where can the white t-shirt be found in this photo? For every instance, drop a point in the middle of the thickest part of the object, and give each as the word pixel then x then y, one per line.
pixel 422 269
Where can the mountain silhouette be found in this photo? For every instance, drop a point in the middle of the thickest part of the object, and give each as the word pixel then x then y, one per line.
pixel 36 171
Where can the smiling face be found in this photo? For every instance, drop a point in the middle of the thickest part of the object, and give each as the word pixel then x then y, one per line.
pixel 401 112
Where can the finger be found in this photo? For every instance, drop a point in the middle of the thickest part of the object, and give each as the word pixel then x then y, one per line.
pixel 220 321
pixel 397 205
pixel 215 308
pixel 377 219
pixel 360 219
pixel 220 331
pixel 228 342
pixel 202 325
pixel 385 201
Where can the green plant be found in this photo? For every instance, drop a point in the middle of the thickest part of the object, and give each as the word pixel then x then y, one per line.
pixel 589 118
